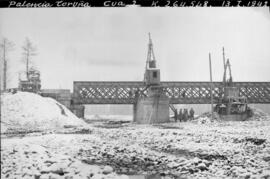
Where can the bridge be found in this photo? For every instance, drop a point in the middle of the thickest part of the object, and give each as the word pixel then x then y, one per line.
pixel 106 92
pixel 152 98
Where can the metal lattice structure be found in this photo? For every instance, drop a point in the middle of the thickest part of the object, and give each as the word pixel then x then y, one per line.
pixel 178 92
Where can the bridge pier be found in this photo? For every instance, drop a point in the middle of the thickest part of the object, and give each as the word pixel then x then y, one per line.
pixel 152 109
pixel 78 110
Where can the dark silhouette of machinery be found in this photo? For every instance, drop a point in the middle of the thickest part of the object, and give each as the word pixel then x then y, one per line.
pixel 230 102
pixel 152 73
pixel 32 83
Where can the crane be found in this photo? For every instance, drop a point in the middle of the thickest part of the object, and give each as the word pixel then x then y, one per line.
pixel 231 104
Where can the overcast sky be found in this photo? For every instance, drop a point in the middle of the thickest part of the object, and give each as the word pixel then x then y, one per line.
pixel 94 44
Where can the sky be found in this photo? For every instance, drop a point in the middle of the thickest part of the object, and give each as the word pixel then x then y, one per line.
pixel 110 44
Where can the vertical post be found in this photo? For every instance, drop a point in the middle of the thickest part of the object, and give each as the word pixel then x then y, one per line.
pixel 5 66
pixel 0 101
pixel 134 112
pixel 210 67
pixel 27 64
pixel 224 66
pixel 223 57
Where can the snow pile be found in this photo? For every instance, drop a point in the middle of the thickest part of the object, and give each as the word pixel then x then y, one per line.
pixel 31 112
pixel 48 156
pixel 206 118
pixel 258 114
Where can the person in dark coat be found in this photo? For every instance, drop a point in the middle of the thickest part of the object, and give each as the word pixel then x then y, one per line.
pixel 191 114
pixel 180 115
pixel 175 115
pixel 185 115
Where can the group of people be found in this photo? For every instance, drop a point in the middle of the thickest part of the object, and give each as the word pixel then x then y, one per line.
pixel 184 115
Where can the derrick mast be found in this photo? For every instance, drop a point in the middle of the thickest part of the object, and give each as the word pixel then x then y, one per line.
pixel 152 73
pixel 152 105
pixel 231 103
pixel 230 91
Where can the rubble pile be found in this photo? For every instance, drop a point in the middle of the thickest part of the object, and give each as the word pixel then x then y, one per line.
pixel 24 111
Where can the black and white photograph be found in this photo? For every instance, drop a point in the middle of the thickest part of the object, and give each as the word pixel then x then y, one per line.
pixel 134 92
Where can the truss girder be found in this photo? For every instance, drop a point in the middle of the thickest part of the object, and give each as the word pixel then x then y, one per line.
pixel 106 92
pixel 178 92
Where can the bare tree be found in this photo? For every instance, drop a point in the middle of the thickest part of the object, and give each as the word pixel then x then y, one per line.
pixel 28 51
pixel 6 46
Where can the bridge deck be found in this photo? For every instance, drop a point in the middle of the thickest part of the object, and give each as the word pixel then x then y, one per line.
pixel 95 92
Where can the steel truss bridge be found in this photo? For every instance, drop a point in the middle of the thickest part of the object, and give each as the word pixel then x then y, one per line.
pixel 94 92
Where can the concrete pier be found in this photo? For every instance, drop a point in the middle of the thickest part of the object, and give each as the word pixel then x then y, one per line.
pixel 78 110
pixel 152 109
pixel 64 96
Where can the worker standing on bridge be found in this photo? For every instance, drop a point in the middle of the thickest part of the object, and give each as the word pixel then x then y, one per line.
pixel 191 114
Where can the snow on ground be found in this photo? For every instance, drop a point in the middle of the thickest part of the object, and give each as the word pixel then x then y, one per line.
pixel 31 112
pixel 229 149
pixel 191 150
pixel 49 156
pixel 112 150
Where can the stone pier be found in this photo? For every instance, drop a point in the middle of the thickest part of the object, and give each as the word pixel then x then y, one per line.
pixel 78 110
pixel 64 96
pixel 152 109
